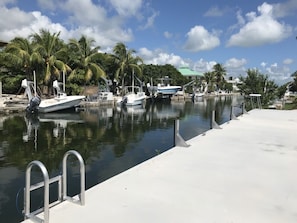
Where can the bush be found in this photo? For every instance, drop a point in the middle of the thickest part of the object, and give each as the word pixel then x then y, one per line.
pixel 12 84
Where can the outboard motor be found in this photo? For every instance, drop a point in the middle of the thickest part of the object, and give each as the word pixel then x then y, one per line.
pixel 33 105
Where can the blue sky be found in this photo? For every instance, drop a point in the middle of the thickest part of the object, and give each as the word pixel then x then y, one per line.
pixel 239 34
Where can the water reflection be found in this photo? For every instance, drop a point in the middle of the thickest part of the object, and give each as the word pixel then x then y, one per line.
pixel 110 139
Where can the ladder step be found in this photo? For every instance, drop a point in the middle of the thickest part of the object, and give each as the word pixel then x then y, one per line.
pixel 41 184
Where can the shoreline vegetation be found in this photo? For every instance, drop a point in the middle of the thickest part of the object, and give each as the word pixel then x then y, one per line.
pixel 10 103
pixel 47 56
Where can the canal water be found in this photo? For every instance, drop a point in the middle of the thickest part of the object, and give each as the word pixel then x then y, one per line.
pixel 110 140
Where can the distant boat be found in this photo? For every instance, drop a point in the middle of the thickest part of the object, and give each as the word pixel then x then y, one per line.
pixel 132 99
pixel 105 96
pixel 199 94
pixel 134 96
pixel 60 102
pixel 164 89
pixel 168 90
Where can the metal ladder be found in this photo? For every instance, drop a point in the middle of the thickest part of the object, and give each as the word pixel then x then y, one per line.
pixel 62 188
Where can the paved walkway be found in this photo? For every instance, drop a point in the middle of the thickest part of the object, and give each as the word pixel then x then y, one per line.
pixel 242 173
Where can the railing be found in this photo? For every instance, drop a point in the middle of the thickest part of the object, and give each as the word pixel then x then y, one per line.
pixel 82 177
pixel 29 188
pixel 62 184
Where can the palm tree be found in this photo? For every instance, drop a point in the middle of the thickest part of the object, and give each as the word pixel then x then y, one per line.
pixel 85 59
pixel 54 54
pixel 220 73
pixel 20 53
pixel 255 82
pixel 209 78
pixel 126 62
pixel 294 83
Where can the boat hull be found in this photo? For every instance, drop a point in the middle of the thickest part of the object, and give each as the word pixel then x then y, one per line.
pixel 58 104
pixel 132 99
pixel 168 90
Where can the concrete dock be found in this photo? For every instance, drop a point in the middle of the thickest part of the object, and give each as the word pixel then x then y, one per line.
pixel 242 173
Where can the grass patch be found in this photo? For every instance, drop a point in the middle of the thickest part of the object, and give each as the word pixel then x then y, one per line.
pixel 291 106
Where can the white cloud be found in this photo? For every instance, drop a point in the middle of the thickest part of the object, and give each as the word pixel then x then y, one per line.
pixel 109 38
pixel 126 7
pixel 260 29
pixel 279 74
pixel 203 66
pixel 240 18
pixel 240 22
pixel 150 20
pixel 235 63
pixel 274 65
pixel 23 24
pixel 47 4
pixel 5 2
pixel 95 24
pixel 159 57
pixel 288 61
pixel 214 11
pixel 198 39
pixel 85 13
pixel 235 67
pixel 21 20
pixel 167 34
pixel 285 8
pixel 146 53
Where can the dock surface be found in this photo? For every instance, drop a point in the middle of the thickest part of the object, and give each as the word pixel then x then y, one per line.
pixel 242 173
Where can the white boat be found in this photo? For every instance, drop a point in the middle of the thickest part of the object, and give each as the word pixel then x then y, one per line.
pixel 60 102
pixel 132 99
pixel 168 90
pixel 164 89
pixel 198 95
pixel 134 95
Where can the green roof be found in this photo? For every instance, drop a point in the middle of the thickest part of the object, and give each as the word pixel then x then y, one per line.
pixel 186 71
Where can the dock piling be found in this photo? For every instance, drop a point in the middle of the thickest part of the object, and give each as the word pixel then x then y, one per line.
pixel 178 139
pixel 213 123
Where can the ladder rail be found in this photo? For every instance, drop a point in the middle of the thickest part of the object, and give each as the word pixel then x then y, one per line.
pixel 62 187
pixel 82 176
pixel 27 199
